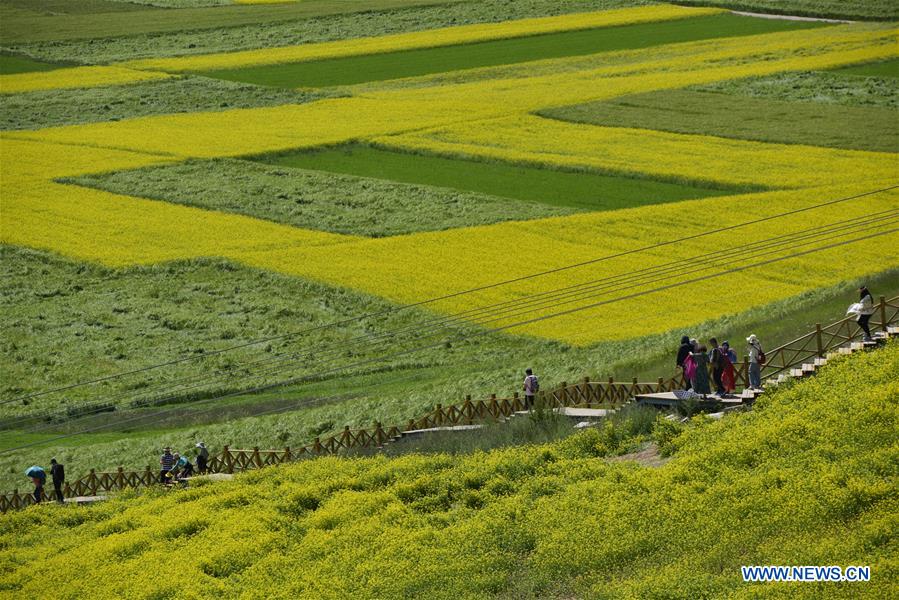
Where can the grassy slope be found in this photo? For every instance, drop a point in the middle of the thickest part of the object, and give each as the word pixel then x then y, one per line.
pixel 706 113
pixel 53 108
pixel 67 7
pixel 105 322
pixel 807 478
pixel 872 10
pixel 324 201
pixel 150 20
pixel 378 19
pixel 822 87
pixel 583 191
pixel 412 63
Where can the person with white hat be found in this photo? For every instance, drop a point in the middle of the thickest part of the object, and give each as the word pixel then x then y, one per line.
pixel 756 360
pixel 202 457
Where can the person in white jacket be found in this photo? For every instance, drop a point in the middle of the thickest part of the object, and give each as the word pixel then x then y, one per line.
pixel 755 362
pixel 866 309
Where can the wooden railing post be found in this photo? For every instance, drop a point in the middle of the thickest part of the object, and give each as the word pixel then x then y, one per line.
pixel 287 455
pixel 93 482
pixel 585 388
pixel 439 415
pixel 563 400
pixel 229 460
pixel 120 478
pixel 148 476
pixel 317 445
pixel 745 371
pixel 410 426
pixel 819 340
pixel 883 314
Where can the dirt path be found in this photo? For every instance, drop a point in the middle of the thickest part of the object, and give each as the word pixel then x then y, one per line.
pixel 787 17
pixel 647 457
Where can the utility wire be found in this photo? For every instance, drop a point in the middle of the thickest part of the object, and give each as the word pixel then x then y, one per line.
pixel 445 297
pixel 588 289
pixel 504 327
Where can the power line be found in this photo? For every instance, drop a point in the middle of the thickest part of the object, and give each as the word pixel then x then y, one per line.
pixel 588 289
pixel 507 326
pixel 444 297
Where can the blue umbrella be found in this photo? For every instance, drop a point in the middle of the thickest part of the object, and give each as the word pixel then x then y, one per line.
pixel 35 471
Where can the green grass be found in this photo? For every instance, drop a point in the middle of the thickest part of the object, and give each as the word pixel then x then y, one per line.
pixel 10 64
pixel 412 63
pixel 806 478
pixel 741 117
pixel 106 321
pixel 302 31
pixel 315 199
pixel 871 10
pixel 583 191
pixel 88 25
pixel 819 87
pixel 885 68
pixel 54 108
pixel 50 8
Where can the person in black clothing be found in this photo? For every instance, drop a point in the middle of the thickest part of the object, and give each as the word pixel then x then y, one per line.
pixel 866 303
pixel 716 361
pixel 682 353
pixel 58 473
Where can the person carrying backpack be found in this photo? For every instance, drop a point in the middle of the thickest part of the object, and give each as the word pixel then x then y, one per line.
pixel 756 360
pixel 531 387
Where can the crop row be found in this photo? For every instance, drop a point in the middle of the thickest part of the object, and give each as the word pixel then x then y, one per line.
pixel 685 157
pixel 75 77
pixel 446 36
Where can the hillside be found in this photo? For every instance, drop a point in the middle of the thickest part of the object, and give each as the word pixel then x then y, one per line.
pixel 808 477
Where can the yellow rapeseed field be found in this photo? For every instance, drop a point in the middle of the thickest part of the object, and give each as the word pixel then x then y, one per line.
pixel 415 267
pixel 697 158
pixel 75 77
pixel 446 36
pixel 483 113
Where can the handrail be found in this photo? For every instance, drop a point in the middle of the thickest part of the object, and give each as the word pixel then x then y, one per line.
pixel 586 393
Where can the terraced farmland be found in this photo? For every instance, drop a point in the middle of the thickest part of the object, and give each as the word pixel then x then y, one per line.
pixel 256 224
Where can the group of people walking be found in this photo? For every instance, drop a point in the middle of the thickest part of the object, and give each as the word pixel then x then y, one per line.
pixel 39 479
pixel 174 466
pixel 697 361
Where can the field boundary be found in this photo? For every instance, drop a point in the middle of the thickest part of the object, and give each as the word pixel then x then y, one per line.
pixel 590 394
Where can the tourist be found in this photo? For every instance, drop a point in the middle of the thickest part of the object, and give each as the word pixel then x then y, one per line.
pixel 167 461
pixel 865 310
pixel 728 374
pixel 531 387
pixel 58 474
pixel 756 360
pixel 729 352
pixel 202 457
pixel 716 359
pixel 682 353
pixel 38 478
pixel 701 372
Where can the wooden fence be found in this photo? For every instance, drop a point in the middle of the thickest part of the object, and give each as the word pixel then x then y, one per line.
pixel 586 393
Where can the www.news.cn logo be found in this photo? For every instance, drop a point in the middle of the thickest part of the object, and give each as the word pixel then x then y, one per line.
pixel 805 573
